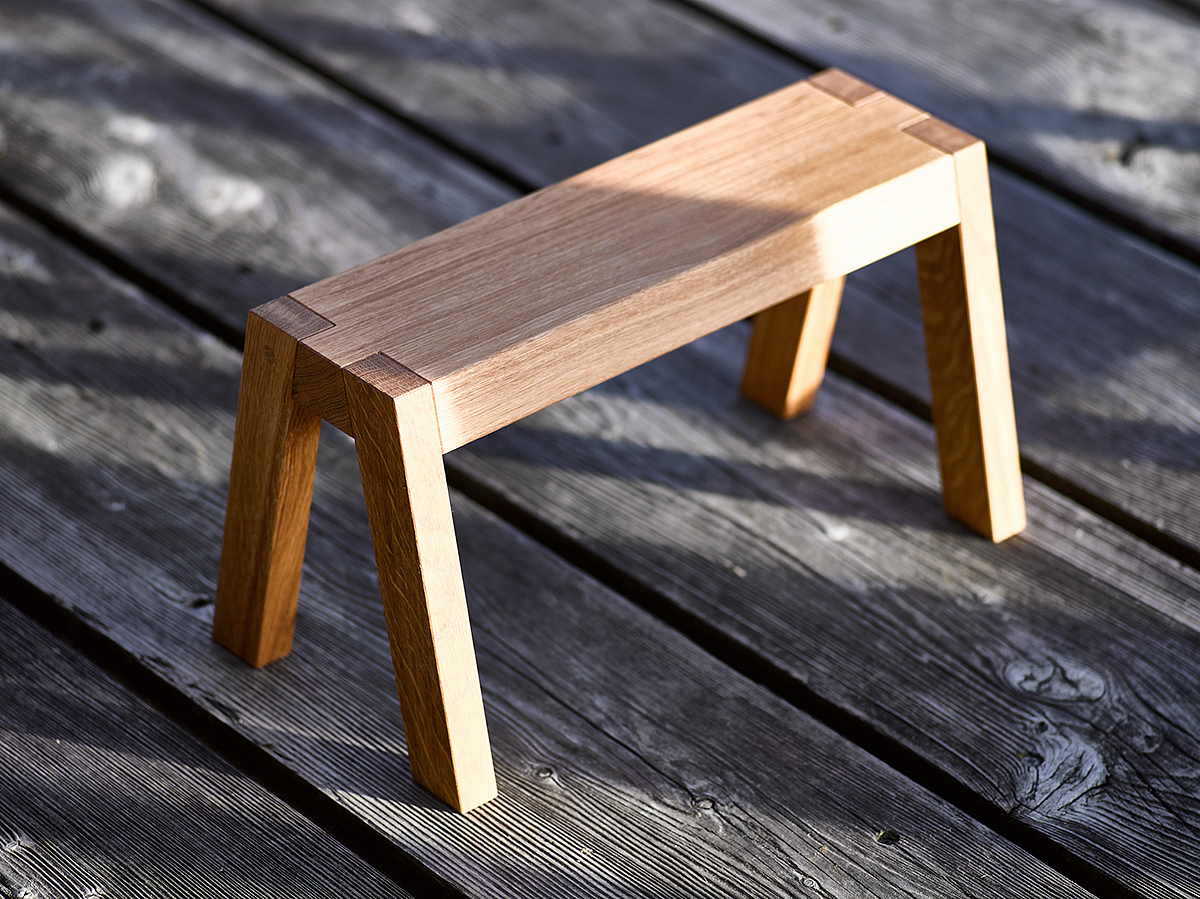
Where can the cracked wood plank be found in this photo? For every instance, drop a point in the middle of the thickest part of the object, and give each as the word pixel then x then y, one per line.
pixel 855 659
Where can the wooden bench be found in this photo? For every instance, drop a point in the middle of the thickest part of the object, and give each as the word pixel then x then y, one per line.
pixel 760 211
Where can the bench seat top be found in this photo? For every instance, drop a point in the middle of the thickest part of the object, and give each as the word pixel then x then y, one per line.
pixel 562 289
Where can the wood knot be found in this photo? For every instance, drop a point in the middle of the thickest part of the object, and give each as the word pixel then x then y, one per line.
pixel 1055 679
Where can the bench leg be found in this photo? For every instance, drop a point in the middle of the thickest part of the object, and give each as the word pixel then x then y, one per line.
pixel 789 347
pixel 968 361
pixel 270 490
pixel 408 505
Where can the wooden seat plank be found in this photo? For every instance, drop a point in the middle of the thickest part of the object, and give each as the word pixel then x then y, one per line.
pixel 516 309
pixel 102 796
pixel 631 762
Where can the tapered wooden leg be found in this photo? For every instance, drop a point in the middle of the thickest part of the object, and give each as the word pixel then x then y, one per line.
pixel 789 347
pixel 270 489
pixel 968 360
pixel 408 506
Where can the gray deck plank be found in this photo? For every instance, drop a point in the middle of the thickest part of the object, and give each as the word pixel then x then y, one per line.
pixel 1104 329
pixel 102 796
pixel 543 89
pixel 630 762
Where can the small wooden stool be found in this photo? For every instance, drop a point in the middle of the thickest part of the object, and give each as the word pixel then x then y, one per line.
pixel 760 211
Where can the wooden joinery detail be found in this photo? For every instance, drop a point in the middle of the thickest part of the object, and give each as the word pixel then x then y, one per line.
pixel 408 506
pixel 270 489
pixel 846 87
pixel 789 347
pixel 319 385
pixel 967 351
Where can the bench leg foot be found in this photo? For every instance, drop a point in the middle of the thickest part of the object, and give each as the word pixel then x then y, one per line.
pixel 270 490
pixel 408 507
pixel 789 347
pixel 968 362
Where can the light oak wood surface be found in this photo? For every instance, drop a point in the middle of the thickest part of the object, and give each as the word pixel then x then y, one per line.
pixel 789 348
pixel 968 355
pixel 553 293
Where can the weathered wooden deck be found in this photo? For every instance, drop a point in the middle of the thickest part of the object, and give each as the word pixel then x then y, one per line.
pixel 721 654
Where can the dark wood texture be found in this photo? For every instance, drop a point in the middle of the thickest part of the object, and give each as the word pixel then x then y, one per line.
pixel 140 123
pixel 1098 97
pixel 545 89
pixel 102 796
pixel 630 762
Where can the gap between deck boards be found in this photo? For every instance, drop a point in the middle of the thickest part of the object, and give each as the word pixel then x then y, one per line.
pixel 1147 231
pixel 82 622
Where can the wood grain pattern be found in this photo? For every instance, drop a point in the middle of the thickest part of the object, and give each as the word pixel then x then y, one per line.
pixel 967 349
pixel 788 350
pixel 319 386
pixel 1103 320
pixel 523 306
pixel 544 89
pixel 102 796
pixel 140 122
pixel 400 458
pixel 270 489
pixel 846 87
pixel 1043 673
